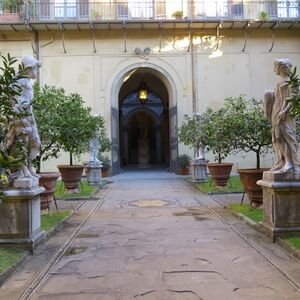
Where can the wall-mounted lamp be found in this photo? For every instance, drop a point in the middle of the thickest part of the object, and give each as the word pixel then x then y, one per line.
pixel 143 92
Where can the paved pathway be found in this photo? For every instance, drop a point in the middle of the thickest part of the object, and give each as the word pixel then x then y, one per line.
pixel 152 240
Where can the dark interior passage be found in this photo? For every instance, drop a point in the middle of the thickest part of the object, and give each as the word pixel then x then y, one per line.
pixel 144 125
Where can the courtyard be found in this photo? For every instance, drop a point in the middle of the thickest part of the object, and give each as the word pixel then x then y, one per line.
pixel 151 235
pixel 149 149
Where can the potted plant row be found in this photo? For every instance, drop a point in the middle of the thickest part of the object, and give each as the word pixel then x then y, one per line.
pixel 253 134
pixel 239 126
pixel 58 131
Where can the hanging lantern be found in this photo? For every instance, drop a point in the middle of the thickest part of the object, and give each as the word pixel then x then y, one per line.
pixel 143 92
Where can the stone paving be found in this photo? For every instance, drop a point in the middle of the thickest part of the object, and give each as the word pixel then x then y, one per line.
pixel 152 240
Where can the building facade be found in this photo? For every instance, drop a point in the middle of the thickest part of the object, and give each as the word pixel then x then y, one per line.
pixel 107 51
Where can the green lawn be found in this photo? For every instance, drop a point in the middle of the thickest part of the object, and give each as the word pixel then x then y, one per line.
pixel 255 214
pixel 50 220
pixel 294 241
pixel 85 190
pixel 9 256
pixel 234 185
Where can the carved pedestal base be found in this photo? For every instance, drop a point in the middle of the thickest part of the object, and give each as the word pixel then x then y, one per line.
pixel 198 170
pixel 93 174
pixel 20 218
pixel 281 204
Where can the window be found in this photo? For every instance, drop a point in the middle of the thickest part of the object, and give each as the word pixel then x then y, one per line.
pixel 210 9
pixel 144 9
pixel 65 9
pixel 160 9
pixel 236 9
pixel 288 9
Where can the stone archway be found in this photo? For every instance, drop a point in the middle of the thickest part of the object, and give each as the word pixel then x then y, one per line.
pixel 170 82
pixel 144 127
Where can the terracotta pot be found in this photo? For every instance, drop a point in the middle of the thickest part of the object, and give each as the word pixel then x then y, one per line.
pixel 105 173
pixel 71 176
pixel 220 173
pixel 184 171
pixel 249 177
pixel 48 181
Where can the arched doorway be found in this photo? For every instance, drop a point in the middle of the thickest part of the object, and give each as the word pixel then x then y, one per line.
pixel 144 124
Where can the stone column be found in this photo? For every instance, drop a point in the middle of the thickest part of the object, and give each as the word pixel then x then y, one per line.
pixel 281 203
pixel 158 144
pixel 20 218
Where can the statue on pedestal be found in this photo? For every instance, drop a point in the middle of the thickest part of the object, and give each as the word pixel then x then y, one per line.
pixel 277 108
pixel 94 151
pixel 25 128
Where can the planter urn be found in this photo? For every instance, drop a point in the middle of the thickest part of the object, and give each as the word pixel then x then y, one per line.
pixel 48 181
pixel 249 177
pixel 71 176
pixel 220 173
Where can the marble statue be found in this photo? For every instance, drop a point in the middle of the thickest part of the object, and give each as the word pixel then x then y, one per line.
pixel 94 150
pixel 283 127
pixel 25 128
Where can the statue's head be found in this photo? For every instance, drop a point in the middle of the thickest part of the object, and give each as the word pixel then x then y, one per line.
pixel 282 65
pixel 32 64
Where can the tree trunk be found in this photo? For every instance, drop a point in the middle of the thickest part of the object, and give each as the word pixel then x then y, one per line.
pixel 257 160
pixel 71 159
pixel 219 158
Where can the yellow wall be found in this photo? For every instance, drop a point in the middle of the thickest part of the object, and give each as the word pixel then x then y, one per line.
pixel 227 72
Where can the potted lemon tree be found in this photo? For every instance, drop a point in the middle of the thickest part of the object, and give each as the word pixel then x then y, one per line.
pixel 252 134
pixel 192 134
pixel 77 128
pixel 219 139
pixel 47 104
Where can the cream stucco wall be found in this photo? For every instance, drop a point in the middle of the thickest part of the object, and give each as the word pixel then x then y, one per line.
pixel 97 76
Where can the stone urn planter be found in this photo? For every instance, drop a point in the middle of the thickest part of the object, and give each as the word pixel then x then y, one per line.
pixel 71 176
pixel 249 177
pixel 220 173
pixel 48 181
pixel 184 170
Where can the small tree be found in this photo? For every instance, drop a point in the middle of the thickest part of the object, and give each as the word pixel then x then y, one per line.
pixel 78 126
pixel 191 132
pixel 49 116
pixel 218 133
pixel 251 128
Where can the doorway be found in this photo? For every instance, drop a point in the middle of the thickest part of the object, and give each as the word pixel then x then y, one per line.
pixel 144 123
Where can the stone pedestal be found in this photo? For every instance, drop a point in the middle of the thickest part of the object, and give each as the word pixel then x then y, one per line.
pixel 93 174
pixel 20 218
pixel 198 170
pixel 281 202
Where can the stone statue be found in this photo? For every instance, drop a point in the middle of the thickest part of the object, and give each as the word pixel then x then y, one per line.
pixel 94 150
pixel 283 127
pixel 25 128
